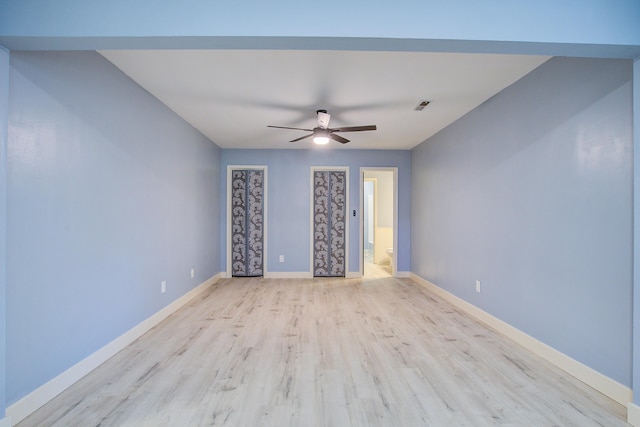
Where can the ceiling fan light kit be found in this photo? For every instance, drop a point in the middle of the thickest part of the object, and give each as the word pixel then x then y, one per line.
pixel 321 136
pixel 322 133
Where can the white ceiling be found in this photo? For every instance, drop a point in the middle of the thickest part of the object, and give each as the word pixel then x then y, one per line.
pixel 232 95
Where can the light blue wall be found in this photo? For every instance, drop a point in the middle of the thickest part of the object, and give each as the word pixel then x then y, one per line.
pixel 109 193
pixel 450 25
pixel 636 231
pixel 531 193
pixel 575 28
pixel 288 231
pixel 4 109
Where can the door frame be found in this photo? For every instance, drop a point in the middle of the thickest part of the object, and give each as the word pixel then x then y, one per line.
pixel 344 169
pixel 263 168
pixel 394 260
pixel 374 213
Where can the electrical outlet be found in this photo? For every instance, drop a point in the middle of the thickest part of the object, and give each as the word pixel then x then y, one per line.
pixel 163 287
pixel 281 258
pixel 193 273
pixel 477 285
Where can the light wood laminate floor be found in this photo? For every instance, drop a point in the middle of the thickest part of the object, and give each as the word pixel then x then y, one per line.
pixel 325 352
pixel 376 271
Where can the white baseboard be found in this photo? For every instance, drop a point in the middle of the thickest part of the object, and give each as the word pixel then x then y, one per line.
pixel 633 414
pixel 288 275
pixel 587 375
pixel 357 275
pixel 37 398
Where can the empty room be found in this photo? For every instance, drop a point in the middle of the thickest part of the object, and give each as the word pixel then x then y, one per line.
pixel 298 216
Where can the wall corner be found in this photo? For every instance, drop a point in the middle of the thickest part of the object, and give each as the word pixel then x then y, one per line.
pixel 4 135
pixel 634 410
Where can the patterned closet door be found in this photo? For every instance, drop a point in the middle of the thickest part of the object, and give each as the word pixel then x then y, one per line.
pixel 329 207
pixel 247 222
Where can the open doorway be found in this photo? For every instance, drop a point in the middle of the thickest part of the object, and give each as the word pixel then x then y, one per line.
pixel 378 222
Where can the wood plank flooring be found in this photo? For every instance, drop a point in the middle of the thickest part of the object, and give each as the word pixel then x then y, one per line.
pixel 325 352
pixel 376 271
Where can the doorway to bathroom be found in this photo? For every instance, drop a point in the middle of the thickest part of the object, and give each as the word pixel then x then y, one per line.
pixel 378 222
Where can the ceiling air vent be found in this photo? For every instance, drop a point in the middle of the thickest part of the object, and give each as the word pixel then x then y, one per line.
pixel 422 105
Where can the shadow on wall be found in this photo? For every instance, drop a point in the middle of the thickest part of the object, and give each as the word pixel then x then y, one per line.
pixel 537 112
pixel 93 75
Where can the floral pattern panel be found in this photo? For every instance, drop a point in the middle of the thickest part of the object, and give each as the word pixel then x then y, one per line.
pixel 247 196
pixel 329 197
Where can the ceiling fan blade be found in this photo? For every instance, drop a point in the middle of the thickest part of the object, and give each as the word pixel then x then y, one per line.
pixel 338 138
pixel 354 128
pixel 302 137
pixel 285 127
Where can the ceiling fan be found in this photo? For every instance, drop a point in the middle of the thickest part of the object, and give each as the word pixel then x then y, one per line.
pixel 322 133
